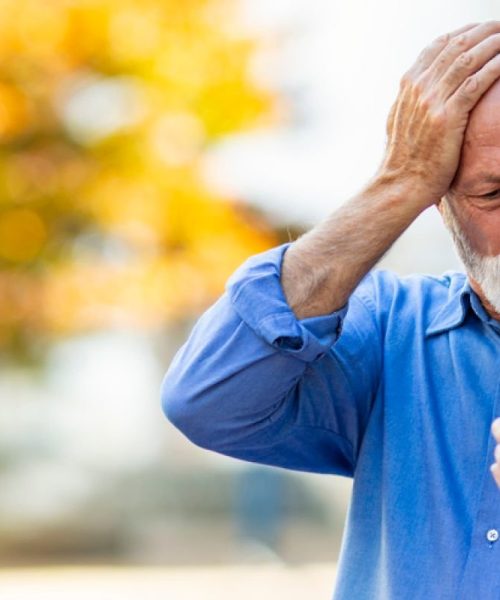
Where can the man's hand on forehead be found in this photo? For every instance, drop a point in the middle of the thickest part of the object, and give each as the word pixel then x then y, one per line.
pixel 427 123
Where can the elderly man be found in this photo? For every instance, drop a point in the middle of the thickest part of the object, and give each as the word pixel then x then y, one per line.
pixel 313 360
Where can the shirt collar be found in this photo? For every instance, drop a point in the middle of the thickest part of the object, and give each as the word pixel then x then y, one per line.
pixel 454 310
pixel 478 308
pixel 461 300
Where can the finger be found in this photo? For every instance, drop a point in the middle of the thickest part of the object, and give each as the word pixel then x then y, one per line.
pixel 458 45
pixel 495 470
pixel 469 62
pixel 427 56
pixel 471 90
pixel 497 453
pixel 495 429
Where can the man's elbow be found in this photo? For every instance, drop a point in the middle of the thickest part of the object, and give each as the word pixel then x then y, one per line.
pixel 174 407
pixel 183 412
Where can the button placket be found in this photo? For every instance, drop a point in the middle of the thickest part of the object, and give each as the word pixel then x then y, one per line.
pixel 484 551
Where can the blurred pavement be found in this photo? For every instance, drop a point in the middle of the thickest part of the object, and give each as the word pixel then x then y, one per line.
pixel 263 582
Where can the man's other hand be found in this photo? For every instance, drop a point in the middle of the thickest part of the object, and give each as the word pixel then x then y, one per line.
pixel 495 467
pixel 427 123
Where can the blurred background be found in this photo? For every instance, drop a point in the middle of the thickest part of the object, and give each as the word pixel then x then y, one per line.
pixel 146 150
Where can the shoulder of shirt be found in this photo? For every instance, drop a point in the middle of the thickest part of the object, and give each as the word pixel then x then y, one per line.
pixel 423 298
pixel 388 282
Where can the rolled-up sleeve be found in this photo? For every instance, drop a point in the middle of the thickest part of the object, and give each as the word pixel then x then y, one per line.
pixel 256 294
pixel 254 382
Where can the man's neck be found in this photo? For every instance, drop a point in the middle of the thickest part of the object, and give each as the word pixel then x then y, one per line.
pixel 484 301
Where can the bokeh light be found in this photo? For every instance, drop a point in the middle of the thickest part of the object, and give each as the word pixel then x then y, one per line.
pixel 105 111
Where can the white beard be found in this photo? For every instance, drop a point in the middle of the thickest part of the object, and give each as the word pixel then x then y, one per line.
pixel 485 270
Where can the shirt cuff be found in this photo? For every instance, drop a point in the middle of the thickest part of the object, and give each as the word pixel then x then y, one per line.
pixel 256 293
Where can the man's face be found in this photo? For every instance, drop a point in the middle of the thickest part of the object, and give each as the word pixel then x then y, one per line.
pixel 475 192
pixel 471 208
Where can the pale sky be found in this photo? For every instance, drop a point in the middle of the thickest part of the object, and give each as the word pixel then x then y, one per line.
pixel 340 62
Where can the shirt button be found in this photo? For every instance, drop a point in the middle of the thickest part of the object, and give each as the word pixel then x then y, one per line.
pixel 492 535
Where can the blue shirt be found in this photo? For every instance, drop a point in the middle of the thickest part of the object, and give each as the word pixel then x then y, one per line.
pixel 397 389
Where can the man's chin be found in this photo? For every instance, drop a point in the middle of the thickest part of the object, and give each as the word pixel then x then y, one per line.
pixel 483 271
pixel 484 276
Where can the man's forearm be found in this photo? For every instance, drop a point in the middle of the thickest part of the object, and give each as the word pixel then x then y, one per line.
pixel 321 268
pixel 425 130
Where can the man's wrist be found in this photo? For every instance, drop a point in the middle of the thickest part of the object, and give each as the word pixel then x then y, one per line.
pixel 404 192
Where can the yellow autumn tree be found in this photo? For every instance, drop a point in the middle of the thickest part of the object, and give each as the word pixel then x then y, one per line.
pixel 106 108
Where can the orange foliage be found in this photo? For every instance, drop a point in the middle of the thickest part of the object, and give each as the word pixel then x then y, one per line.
pixel 106 108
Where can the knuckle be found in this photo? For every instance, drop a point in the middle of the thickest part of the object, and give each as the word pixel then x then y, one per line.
pixel 432 97
pixel 442 62
pixel 418 88
pixel 438 118
pixel 470 85
pixel 460 41
pixel 429 97
pixel 442 40
pixel 462 65
pixel 419 85
pixel 466 59
pixel 425 103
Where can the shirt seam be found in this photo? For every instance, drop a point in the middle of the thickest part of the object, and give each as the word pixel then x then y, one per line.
pixel 366 302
